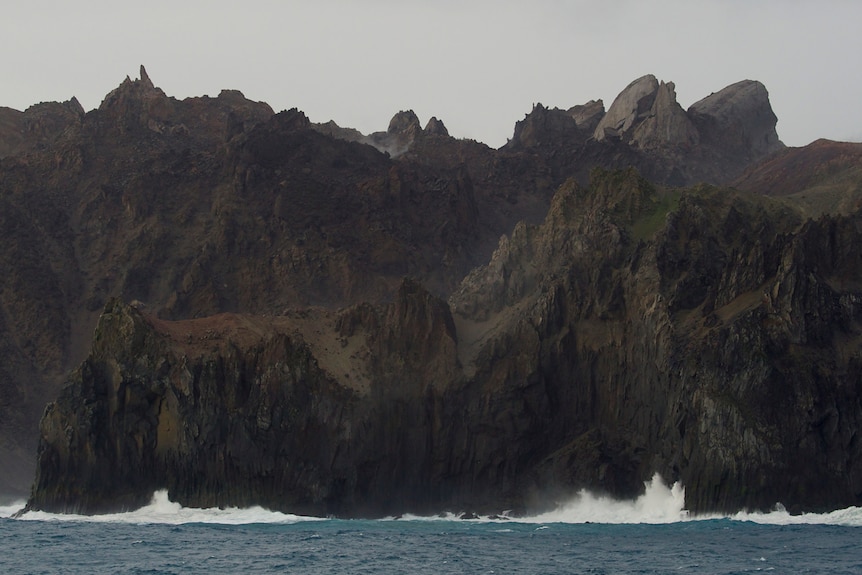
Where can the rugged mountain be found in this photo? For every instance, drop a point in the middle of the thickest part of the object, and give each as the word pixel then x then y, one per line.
pixel 708 335
pixel 198 207
pixel 207 205
pixel 645 127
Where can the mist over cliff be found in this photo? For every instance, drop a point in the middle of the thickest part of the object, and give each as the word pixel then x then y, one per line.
pixel 244 307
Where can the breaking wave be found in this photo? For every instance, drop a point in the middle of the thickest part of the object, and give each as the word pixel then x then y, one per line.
pixel 162 510
pixel 11 509
pixel 659 504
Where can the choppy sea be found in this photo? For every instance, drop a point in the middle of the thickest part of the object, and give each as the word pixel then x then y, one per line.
pixel 652 534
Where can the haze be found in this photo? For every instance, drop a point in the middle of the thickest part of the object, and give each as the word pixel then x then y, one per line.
pixel 477 65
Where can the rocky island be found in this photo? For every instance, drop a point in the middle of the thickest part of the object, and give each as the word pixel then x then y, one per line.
pixel 245 307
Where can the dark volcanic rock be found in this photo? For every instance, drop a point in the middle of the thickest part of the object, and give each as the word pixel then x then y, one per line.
pixel 547 128
pixel 707 335
pixel 207 205
pixel 404 122
pixel 436 127
pixel 704 334
pixel 239 411
pixel 39 126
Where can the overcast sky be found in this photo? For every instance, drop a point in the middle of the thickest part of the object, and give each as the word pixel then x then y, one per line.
pixel 477 65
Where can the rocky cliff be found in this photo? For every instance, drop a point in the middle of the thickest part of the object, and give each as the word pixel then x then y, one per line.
pixel 705 334
pixel 280 356
pixel 207 205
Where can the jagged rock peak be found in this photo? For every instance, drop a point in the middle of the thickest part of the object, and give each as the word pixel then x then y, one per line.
pixel 587 116
pixel 630 106
pixel 435 126
pixel 145 78
pixel 647 115
pixel 404 122
pixel 142 89
pixel 666 122
pixel 551 127
pixel 292 120
pixel 74 106
pixel 740 112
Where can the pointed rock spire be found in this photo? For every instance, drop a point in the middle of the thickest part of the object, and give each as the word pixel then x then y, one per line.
pixel 435 126
pixel 145 78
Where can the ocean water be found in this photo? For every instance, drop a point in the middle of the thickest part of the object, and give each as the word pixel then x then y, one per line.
pixel 587 535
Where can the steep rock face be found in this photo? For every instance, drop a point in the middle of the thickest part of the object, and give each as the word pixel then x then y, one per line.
pixel 206 205
pixel 646 128
pixel 628 109
pixel 708 335
pixel 208 426
pixel 547 128
pixel 647 115
pixel 666 123
pixel 680 347
pixel 587 116
pixel 738 117
pixel 240 412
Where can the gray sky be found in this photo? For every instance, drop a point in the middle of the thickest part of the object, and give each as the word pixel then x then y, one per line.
pixel 477 65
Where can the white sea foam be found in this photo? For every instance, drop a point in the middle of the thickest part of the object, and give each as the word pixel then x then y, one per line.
pixel 663 504
pixel 163 511
pixel 659 504
pixel 11 509
pixel 848 517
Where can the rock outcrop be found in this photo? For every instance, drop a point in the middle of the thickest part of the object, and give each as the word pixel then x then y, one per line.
pixel 647 115
pixel 645 127
pixel 436 127
pixel 404 129
pixel 38 126
pixel 738 118
pixel 628 109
